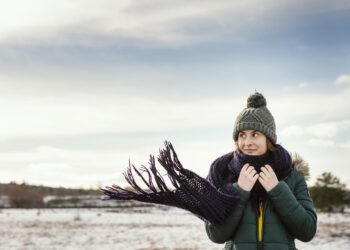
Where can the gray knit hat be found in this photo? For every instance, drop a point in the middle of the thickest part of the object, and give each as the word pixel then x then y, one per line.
pixel 256 116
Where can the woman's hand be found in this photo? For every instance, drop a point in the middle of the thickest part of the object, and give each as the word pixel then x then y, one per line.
pixel 268 178
pixel 247 177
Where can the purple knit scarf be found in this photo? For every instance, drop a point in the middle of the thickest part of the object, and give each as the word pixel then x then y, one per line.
pixel 212 199
pixel 279 160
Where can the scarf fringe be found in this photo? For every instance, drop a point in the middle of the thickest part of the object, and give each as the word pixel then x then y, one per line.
pixel 191 192
pixel 172 166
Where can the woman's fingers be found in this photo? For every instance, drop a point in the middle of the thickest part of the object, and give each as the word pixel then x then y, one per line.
pixel 267 178
pixel 262 175
pixel 244 168
pixel 247 177
pixel 255 177
pixel 251 170
pixel 269 168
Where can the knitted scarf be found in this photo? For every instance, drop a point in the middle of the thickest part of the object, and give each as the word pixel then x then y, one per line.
pixel 212 199
pixel 279 160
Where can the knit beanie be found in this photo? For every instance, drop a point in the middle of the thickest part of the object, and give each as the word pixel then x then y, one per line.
pixel 257 117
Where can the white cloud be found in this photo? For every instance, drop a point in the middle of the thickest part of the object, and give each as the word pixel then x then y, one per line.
pixel 30 110
pixel 330 105
pixel 296 87
pixel 52 155
pixel 42 21
pixel 293 130
pixel 303 84
pixel 320 130
pixel 49 169
pixel 321 143
pixel 343 79
pixel 69 167
pixel 326 130
pixel 345 145
pixel 75 167
pixel 61 108
pixel 37 119
pixel 34 111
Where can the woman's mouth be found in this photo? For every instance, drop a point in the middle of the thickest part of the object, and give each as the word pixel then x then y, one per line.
pixel 250 151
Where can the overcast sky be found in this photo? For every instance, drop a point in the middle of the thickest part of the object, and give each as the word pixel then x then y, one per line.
pixel 87 85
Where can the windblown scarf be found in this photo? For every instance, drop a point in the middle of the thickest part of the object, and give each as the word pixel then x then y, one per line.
pixel 212 199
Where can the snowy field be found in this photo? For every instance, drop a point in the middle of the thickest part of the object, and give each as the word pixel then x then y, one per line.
pixel 139 229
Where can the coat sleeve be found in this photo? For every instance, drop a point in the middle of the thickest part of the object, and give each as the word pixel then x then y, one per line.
pixel 224 232
pixel 295 209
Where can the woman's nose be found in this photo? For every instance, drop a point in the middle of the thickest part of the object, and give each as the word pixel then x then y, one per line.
pixel 248 141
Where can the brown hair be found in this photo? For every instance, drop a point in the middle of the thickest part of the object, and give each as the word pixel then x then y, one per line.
pixel 270 145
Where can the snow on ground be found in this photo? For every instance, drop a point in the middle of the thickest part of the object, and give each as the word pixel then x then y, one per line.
pixel 138 228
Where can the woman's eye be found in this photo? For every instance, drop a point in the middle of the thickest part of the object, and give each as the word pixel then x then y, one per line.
pixel 242 135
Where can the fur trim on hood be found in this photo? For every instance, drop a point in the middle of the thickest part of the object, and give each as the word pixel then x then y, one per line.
pixel 300 165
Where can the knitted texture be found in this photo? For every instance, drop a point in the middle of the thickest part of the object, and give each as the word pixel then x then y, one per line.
pixel 256 116
pixel 211 203
pixel 212 199
pixel 279 160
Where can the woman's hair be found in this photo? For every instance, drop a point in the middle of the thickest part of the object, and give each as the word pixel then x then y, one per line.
pixel 270 145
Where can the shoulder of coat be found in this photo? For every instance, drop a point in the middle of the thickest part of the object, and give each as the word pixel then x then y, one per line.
pixel 300 165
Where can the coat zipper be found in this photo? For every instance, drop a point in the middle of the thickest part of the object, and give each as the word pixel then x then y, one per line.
pixel 260 231
pixel 260 220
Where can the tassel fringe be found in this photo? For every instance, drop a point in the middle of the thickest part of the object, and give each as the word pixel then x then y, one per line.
pixel 190 191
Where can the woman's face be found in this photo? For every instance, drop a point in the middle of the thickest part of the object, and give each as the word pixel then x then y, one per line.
pixel 252 142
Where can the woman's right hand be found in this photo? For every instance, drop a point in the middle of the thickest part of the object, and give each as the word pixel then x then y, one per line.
pixel 247 177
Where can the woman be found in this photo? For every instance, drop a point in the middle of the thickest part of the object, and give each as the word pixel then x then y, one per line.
pixel 274 205
pixel 253 198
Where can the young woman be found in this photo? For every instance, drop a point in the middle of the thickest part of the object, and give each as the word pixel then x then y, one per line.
pixel 253 198
pixel 274 206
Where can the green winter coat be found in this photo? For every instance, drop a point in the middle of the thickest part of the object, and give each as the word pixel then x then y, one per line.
pixel 288 214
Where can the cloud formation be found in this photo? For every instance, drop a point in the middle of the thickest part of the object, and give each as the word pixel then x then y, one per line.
pixel 309 104
pixel 33 110
pixel 321 143
pixel 326 130
pixel 343 79
pixel 79 95
pixel 164 22
pixel 70 167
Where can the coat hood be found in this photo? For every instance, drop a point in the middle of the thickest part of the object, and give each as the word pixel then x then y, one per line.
pixel 300 165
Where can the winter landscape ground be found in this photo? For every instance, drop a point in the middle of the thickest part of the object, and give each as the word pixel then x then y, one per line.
pixel 134 228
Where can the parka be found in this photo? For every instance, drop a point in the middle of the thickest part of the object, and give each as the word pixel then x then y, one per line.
pixel 287 214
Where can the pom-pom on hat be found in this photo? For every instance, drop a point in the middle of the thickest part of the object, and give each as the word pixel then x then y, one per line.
pixel 257 117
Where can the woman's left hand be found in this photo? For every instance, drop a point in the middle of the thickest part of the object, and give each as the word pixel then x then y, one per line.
pixel 268 178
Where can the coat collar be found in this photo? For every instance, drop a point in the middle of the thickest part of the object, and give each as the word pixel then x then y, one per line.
pixel 300 165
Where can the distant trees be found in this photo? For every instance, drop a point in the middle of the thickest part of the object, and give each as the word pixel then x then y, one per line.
pixel 31 196
pixel 328 193
pixel 21 196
